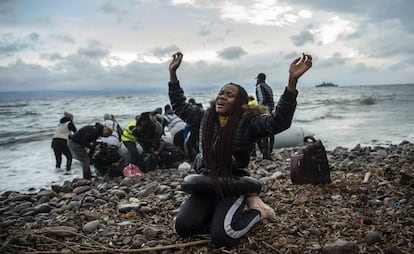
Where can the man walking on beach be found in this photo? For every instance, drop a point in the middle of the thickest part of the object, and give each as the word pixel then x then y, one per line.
pixel 264 95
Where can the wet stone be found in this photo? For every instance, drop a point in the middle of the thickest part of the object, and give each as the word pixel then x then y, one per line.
pixel 151 232
pixel 124 208
pixel 340 246
pixel 91 226
pixel 372 237
pixel 139 212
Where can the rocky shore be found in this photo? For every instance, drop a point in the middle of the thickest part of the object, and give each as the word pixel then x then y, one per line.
pixel 368 208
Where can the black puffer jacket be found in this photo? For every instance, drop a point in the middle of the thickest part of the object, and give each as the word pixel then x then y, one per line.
pixel 252 127
pixel 264 95
pixel 87 135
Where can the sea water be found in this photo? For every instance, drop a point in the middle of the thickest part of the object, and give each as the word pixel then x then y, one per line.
pixel 339 116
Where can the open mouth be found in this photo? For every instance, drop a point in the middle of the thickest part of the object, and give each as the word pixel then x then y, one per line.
pixel 220 104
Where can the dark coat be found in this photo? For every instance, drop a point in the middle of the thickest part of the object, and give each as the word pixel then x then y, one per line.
pixel 264 95
pixel 87 135
pixel 252 127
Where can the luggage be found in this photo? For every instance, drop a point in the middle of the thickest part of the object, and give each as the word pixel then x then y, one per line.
pixel 309 163
pixel 132 170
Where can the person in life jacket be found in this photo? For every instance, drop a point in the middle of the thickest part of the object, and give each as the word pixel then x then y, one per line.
pixel 252 100
pixel 130 141
pixel 64 130
pixel 146 131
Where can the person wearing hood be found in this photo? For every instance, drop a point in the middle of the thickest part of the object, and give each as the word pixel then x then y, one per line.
pixel 228 129
pixel 85 138
pixel 60 139
pixel 114 140
pixel 175 126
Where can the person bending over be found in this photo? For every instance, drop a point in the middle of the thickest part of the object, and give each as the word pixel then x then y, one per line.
pixel 227 130
pixel 85 138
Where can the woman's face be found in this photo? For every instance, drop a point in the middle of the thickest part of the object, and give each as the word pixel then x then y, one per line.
pixel 225 99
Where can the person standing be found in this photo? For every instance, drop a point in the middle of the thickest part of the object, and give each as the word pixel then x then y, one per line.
pixel 64 130
pixel 227 131
pixel 264 95
pixel 85 138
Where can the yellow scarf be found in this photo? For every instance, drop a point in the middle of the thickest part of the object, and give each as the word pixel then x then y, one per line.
pixel 223 120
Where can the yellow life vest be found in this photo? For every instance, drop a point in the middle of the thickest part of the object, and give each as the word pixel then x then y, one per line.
pixel 127 134
pixel 253 102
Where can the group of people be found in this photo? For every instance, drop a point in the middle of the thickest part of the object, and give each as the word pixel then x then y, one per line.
pixel 143 139
pixel 227 131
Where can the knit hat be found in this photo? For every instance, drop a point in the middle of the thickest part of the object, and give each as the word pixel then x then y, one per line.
pixel 68 115
pixel 107 117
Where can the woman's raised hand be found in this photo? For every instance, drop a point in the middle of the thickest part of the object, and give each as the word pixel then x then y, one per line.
pixel 176 61
pixel 297 68
pixel 300 65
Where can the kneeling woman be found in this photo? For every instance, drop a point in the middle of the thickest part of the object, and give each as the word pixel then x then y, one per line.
pixel 229 128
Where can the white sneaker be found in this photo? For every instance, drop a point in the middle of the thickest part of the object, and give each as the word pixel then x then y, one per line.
pixel 266 212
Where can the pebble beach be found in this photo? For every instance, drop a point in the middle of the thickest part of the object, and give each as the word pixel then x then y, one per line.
pixel 368 208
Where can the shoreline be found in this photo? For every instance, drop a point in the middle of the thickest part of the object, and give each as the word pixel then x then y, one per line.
pixel 135 213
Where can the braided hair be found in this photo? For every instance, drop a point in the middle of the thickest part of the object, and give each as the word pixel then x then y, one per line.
pixel 217 149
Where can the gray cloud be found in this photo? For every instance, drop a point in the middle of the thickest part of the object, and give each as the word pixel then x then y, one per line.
pixel 34 75
pixel 406 64
pixel 110 8
pixel 231 53
pixel 301 39
pixel 34 36
pixel 64 38
pixel 163 52
pixel 95 51
pixel 374 12
pixel 362 68
pixel 7 7
pixel 9 45
pixel 51 56
pixel 335 60
pixel 204 31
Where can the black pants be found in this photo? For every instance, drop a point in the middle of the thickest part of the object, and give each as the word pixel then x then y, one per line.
pixel 60 146
pixel 266 146
pixel 133 152
pixel 192 144
pixel 179 140
pixel 224 219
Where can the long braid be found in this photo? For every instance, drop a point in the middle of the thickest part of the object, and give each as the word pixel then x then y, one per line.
pixel 218 157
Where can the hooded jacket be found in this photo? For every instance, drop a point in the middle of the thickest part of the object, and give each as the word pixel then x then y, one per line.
pixel 253 126
pixel 64 128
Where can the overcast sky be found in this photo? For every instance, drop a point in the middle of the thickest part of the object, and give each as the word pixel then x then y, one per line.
pixel 78 44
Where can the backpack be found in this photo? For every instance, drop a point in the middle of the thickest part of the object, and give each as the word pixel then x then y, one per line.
pixel 309 163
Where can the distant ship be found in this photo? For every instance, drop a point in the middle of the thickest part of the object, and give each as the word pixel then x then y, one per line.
pixel 326 84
